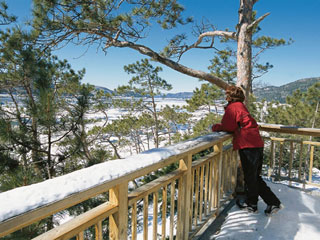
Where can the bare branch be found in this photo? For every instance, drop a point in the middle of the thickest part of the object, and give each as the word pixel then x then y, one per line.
pixel 174 65
pixel 213 34
pixel 256 22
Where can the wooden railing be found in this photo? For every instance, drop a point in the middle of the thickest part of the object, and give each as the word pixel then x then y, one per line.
pixel 175 205
pixel 289 156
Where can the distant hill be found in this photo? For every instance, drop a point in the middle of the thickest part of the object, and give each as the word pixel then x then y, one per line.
pixel 104 89
pixel 179 95
pixel 280 93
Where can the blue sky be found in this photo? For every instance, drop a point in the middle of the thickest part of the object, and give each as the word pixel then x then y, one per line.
pixel 296 19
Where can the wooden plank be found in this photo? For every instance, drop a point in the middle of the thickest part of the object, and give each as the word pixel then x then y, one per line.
pixel 191 198
pixel 300 161
pixel 203 160
pixel 290 161
pixel 172 196
pixel 155 215
pixel 145 217
pixel 98 230
pixel 211 184
pixel 271 163
pixel 184 198
pixel 196 204
pixel 80 236
pixel 180 206
pixel 78 224
pixel 206 189
pixel 229 171
pixel 235 169
pixel 164 212
pixel 215 182
pixel 123 210
pixel 134 225
pixel 312 143
pixel 154 186
pixel 315 132
pixel 219 148
pixel 280 158
pixel 201 193
pixel 311 164
pixel 118 222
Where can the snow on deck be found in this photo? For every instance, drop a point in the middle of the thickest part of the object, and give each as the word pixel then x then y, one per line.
pixel 299 220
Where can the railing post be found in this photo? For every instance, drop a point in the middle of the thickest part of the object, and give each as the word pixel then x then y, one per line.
pixel 184 198
pixel 219 148
pixel 280 159
pixel 271 163
pixel 311 164
pixel 119 221
pixel 290 162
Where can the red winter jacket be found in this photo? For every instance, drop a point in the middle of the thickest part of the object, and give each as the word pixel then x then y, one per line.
pixel 238 121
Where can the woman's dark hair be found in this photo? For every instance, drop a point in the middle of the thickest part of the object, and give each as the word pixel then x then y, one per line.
pixel 235 94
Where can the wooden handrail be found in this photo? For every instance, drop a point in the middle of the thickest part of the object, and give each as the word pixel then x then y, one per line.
pixel 197 145
pixel 314 132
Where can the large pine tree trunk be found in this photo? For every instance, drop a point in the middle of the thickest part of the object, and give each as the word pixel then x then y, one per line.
pixel 244 50
pixel 244 68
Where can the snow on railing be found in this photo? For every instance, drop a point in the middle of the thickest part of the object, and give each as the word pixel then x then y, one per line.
pixel 207 181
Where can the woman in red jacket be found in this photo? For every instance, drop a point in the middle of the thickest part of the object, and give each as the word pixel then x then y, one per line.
pixel 247 139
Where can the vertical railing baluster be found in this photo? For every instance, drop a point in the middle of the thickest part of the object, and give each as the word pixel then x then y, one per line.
pixel 80 236
pixel 134 221
pixel 290 161
pixel 235 169
pixel 164 211
pixel 229 169
pixel 145 217
pixel 271 162
pixel 196 204
pixel 155 215
pixel 300 161
pixel 216 188
pixel 201 193
pixel 219 148
pixel 172 194
pixel 98 230
pixel 222 175
pixel 211 184
pixel 206 190
pixel 280 158
pixel 311 163
pixel 191 199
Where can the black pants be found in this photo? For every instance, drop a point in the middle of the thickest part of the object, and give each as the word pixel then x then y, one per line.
pixel 251 160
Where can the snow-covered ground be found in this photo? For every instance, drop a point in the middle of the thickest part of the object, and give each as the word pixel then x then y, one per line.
pixel 299 220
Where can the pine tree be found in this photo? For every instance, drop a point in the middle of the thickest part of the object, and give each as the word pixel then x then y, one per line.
pixel 5 18
pixel 299 110
pixel 173 119
pixel 123 24
pixel 147 83
pixel 38 84
pixel 205 97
